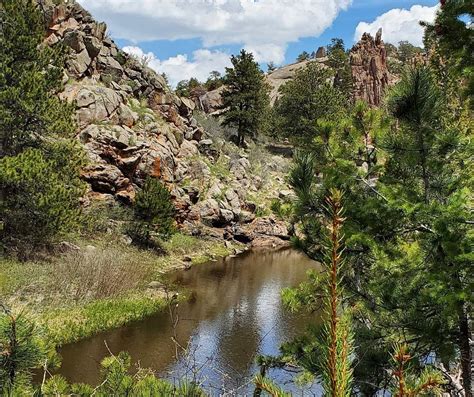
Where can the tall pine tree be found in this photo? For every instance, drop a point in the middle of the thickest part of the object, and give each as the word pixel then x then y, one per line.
pixel 245 98
pixel 30 76
pixel 40 182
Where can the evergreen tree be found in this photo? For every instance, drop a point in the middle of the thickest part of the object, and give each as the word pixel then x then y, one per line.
pixel 329 354
pixel 40 169
pixel 304 56
pixel 30 76
pixel 407 228
pixel 182 88
pixel 21 351
pixel 337 346
pixel 154 211
pixel 271 67
pixel 214 81
pixel 426 171
pixel 338 60
pixel 406 51
pixel 309 97
pixel 453 33
pixel 40 194
pixel 245 97
pixel 336 45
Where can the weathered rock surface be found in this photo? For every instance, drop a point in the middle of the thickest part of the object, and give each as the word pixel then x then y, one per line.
pixel 211 102
pixel 370 76
pixel 129 121
pixel 133 126
pixel 265 231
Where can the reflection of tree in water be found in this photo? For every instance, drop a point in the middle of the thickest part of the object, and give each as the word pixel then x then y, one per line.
pixel 235 303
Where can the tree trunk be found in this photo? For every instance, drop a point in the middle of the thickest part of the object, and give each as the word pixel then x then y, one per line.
pixel 465 351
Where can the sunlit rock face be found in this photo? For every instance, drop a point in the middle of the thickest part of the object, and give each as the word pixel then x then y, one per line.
pixel 370 76
pixel 133 126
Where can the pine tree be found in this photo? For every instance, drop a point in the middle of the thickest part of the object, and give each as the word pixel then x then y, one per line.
pixel 407 223
pixel 452 30
pixel 40 169
pixel 117 380
pixel 245 97
pixel 407 385
pixel 154 211
pixel 427 179
pixel 30 76
pixel 21 351
pixel 338 60
pixel 309 97
pixel 40 191
pixel 337 349
pixel 271 67
pixel 214 81
pixel 304 56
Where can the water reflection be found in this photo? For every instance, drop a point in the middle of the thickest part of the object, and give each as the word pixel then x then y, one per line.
pixel 235 314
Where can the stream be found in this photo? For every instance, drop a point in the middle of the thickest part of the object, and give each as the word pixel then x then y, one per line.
pixel 234 313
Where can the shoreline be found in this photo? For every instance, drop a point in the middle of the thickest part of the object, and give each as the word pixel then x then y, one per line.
pixel 65 322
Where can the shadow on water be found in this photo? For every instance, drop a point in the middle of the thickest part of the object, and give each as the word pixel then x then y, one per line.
pixel 235 314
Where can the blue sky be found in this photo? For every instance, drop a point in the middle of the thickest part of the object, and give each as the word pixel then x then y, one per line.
pixel 185 38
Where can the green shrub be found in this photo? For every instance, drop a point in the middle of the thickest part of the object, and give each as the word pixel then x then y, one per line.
pixel 40 194
pixel 281 210
pixel 22 349
pixel 154 211
pixel 117 380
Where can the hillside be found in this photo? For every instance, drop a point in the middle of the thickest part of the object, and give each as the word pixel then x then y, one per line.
pixel 133 126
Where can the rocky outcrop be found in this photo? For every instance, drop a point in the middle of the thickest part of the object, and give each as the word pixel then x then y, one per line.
pixel 211 102
pixel 132 126
pixel 320 53
pixel 262 232
pixel 370 76
pixel 129 121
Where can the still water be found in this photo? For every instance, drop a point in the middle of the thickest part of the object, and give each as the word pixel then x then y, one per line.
pixel 234 314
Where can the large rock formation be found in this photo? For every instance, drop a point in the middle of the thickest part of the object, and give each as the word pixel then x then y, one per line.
pixel 133 126
pixel 370 76
pixel 129 121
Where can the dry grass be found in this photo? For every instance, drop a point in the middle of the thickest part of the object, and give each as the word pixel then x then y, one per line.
pixel 97 274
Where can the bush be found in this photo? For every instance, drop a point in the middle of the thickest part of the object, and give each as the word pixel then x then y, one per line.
pixel 40 194
pixel 154 211
pixel 22 350
pixel 98 274
pixel 281 210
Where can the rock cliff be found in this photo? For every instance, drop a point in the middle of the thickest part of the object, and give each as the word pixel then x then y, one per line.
pixel 370 76
pixel 133 126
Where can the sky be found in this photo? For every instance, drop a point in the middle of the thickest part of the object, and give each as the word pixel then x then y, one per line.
pixel 190 38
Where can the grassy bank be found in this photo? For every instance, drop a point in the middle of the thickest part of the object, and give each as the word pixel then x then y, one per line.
pixel 103 285
pixel 70 324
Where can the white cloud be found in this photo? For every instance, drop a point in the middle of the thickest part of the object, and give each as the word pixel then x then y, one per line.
pixel 400 24
pixel 265 26
pixel 180 67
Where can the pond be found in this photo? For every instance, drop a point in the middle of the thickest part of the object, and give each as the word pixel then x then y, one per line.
pixel 234 314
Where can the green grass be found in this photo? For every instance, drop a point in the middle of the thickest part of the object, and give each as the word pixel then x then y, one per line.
pixel 15 275
pixel 29 286
pixel 219 169
pixel 199 250
pixel 73 323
